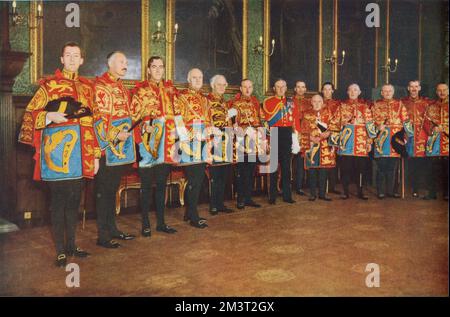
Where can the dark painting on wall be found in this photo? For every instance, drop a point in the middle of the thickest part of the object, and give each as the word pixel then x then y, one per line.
pixel 358 41
pixel 295 27
pixel 210 38
pixel 105 26
pixel 404 36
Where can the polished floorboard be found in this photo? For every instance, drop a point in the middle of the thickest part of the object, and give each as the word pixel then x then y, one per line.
pixel 304 249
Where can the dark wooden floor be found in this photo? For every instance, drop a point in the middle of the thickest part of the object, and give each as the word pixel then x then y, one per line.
pixel 305 249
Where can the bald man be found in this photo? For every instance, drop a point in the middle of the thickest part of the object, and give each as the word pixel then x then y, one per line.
pixel 193 106
pixel 436 127
pixel 112 120
pixel 353 133
pixel 390 116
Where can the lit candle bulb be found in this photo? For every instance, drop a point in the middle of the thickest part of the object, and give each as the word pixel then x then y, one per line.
pixel 334 53
pixel 343 53
pixel 273 42
pixel 39 9
pixel 176 27
pixel 396 61
pixel 159 24
pixel 389 60
pixel 260 40
pixel 14 5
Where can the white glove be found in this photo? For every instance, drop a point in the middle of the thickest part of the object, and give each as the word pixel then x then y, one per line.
pixel 295 145
pixel 181 129
pixel 231 113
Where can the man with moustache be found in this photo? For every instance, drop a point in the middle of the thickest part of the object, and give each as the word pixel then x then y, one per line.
pixel 279 114
pixel 352 132
pixel 390 116
pixel 44 128
pixel 302 104
pixel 248 114
pixel 436 127
pixel 112 123
pixel 416 107
pixel 192 105
pixel 152 103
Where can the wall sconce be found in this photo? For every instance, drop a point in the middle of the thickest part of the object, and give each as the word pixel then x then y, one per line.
pixel 260 49
pixel 333 59
pixel 388 67
pixel 159 36
pixel 18 19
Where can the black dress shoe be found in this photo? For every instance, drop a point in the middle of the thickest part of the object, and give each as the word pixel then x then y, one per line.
pixel 79 253
pixel 312 198
pixel 61 260
pixel 362 196
pixel 396 196
pixel 240 205
pixel 125 236
pixel 272 201
pixel 201 224
pixel 111 244
pixel 345 196
pixel 325 198
pixel 166 229
pixel 289 201
pixel 251 203
pixel 300 192
pixel 226 210
pixel 146 232
pixel 380 196
pixel 213 211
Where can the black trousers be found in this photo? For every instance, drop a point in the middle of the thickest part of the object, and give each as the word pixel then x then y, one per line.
pixel 352 168
pixel 107 183
pixel 386 167
pixel 284 158
pixel 333 176
pixel 437 168
pixel 218 177
pixel 416 172
pixel 317 176
pixel 154 175
pixel 64 204
pixel 300 171
pixel 195 174
pixel 245 172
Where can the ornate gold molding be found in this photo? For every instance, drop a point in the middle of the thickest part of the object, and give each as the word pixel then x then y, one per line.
pixel 266 35
pixel 335 41
pixel 245 39
pixel 388 41
pixel 145 40
pixel 36 60
pixel 170 47
pixel 320 44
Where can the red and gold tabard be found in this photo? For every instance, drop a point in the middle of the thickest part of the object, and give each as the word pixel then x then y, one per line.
pixel 301 105
pixel 332 104
pixel 352 128
pixel 153 103
pixel 393 114
pixel 437 115
pixel 279 111
pixel 66 150
pixel 249 113
pixel 112 115
pixel 193 107
pixel 317 155
pixel 416 108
